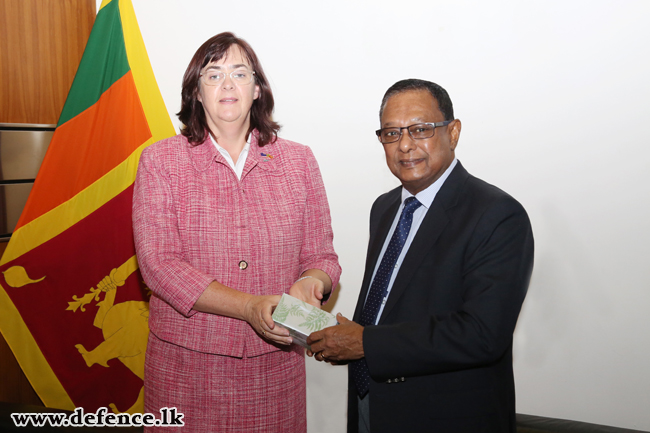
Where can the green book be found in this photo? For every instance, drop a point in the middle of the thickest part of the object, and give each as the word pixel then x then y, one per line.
pixel 301 318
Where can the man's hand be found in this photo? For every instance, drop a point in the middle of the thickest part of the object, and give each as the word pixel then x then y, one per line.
pixel 343 342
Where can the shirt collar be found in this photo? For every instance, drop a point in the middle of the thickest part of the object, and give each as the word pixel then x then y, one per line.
pixel 226 155
pixel 427 195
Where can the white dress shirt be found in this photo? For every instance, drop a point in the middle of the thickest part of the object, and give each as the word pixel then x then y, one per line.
pixel 239 167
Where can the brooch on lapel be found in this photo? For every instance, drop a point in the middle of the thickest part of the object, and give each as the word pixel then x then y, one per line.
pixel 267 156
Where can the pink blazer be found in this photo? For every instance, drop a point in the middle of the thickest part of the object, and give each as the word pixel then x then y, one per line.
pixel 195 222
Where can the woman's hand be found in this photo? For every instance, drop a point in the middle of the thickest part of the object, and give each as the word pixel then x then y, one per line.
pixel 311 287
pixel 308 289
pixel 258 313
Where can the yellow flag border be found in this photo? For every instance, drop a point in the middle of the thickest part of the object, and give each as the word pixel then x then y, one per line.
pixel 18 337
pixel 29 357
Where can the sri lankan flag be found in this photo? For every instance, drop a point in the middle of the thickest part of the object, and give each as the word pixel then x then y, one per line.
pixel 73 306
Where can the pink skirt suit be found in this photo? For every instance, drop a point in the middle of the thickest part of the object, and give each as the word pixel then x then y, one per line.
pixel 195 222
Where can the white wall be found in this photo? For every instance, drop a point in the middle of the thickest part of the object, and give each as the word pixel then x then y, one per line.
pixel 553 96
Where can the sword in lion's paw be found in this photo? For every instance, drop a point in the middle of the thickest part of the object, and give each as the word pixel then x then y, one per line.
pixel 125 327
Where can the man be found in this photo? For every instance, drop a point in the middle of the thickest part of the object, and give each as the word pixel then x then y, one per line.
pixel 430 347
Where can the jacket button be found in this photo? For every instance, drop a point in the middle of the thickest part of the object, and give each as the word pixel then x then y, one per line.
pixel 243 265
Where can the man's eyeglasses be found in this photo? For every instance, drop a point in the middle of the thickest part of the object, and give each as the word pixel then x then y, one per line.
pixel 214 77
pixel 417 131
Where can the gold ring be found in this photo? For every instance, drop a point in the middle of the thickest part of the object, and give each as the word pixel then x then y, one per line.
pixel 264 332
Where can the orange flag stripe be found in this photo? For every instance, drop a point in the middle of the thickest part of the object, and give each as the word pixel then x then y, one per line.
pixel 122 131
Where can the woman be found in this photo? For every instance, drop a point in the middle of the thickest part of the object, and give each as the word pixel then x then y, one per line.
pixel 227 217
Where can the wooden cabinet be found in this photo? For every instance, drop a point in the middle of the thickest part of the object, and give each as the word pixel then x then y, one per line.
pixel 41 44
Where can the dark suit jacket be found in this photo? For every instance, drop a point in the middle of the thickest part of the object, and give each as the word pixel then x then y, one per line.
pixel 440 358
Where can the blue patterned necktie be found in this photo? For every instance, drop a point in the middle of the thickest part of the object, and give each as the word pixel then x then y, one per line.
pixel 379 287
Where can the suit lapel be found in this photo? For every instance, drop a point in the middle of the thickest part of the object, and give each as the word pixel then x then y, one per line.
pixel 433 225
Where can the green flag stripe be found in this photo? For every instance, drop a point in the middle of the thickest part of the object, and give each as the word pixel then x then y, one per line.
pixel 104 61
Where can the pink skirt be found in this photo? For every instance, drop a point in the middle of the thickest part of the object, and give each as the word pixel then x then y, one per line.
pixel 218 393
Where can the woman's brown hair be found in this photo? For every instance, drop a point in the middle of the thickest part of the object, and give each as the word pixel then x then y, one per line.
pixel 195 126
